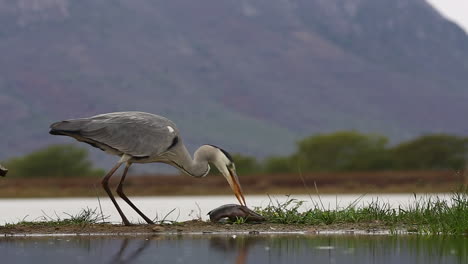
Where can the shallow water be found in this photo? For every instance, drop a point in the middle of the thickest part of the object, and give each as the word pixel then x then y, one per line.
pixel 186 207
pixel 235 249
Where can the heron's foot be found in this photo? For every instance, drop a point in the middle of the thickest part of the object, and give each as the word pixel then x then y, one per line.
pixel 149 222
pixel 126 222
pixel 130 224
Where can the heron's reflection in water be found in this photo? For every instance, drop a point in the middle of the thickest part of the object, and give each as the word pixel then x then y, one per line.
pixel 132 249
pixel 122 256
pixel 238 244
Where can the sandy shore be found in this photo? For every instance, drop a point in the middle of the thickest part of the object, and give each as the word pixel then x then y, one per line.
pixel 188 227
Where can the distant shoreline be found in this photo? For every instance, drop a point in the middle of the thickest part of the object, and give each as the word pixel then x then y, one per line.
pixel 327 183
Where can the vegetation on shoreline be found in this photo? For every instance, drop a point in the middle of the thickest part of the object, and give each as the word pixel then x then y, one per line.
pixel 83 218
pixel 426 215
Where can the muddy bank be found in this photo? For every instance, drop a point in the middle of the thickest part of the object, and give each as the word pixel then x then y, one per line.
pixel 193 226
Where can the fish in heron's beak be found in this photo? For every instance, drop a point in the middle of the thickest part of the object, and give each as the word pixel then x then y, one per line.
pixel 233 181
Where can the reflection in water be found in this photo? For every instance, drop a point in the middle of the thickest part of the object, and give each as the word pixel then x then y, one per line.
pixel 230 248
pixel 119 257
pixel 240 245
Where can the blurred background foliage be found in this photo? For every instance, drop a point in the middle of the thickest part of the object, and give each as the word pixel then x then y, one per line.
pixel 353 151
pixel 340 151
pixel 64 160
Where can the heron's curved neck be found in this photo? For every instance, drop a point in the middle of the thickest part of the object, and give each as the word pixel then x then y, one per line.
pixel 198 166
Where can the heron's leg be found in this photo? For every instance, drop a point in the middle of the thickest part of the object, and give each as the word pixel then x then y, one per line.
pixel 105 184
pixel 125 198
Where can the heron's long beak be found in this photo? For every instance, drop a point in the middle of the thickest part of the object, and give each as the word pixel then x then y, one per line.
pixel 235 185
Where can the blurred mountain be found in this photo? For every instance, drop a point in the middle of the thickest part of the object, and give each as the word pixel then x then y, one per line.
pixel 252 76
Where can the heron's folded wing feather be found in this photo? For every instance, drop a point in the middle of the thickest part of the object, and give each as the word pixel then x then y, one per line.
pixel 136 134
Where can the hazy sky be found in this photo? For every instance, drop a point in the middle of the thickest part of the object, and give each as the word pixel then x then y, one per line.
pixel 455 10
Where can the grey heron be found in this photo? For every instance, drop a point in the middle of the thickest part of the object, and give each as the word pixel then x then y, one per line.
pixel 139 137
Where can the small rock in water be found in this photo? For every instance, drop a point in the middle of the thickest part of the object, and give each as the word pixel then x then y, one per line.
pixel 233 212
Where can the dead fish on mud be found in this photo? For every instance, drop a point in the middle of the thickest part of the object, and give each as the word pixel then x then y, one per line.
pixel 233 212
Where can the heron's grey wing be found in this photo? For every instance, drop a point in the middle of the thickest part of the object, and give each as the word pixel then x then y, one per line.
pixel 134 133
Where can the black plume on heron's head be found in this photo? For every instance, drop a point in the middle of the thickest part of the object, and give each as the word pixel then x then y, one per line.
pixel 224 152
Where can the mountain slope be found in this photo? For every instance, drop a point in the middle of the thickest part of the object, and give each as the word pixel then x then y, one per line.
pixel 251 76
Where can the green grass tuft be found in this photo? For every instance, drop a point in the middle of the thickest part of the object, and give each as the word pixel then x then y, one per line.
pixel 83 218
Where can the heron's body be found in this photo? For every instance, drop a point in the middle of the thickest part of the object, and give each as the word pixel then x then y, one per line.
pixel 139 137
pixel 151 135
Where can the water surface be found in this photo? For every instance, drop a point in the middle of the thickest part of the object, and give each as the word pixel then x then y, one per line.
pixel 235 249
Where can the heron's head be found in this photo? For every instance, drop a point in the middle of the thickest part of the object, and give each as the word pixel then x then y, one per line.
pixel 225 164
